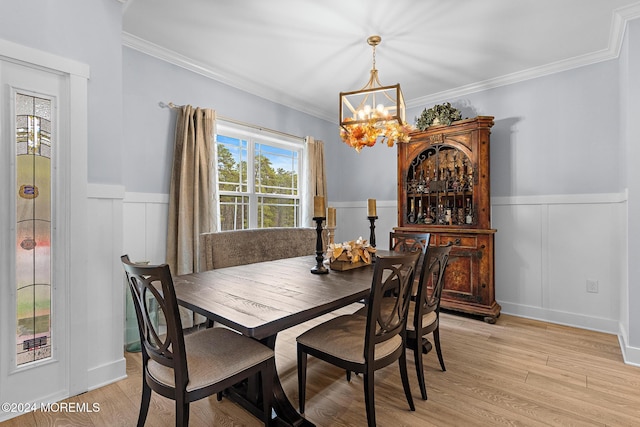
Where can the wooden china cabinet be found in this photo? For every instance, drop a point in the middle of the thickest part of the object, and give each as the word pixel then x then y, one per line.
pixel 443 189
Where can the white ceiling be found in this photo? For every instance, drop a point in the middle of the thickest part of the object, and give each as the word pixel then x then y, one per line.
pixel 302 53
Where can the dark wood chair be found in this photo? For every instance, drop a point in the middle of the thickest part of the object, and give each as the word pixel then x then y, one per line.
pixel 364 344
pixel 405 242
pixel 426 309
pixel 189 367
pixel 424 316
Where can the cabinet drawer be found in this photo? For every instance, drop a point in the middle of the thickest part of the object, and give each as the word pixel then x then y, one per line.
pixel 461 241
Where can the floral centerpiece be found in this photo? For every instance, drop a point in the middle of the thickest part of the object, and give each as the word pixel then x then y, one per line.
pixel 351 254
pixel 358 135
pixel 438 115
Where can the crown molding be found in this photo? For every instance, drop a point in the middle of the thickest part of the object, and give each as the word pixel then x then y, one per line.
pixel 254 88
pixel 619 22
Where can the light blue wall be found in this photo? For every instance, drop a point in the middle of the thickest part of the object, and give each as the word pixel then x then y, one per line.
pixel 558 134
pixel 149 129
pixel 89 32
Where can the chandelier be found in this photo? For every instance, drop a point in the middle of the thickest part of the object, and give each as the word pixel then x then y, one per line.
pixel 374 113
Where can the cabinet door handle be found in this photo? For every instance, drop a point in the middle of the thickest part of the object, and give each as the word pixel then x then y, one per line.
pixel 457 242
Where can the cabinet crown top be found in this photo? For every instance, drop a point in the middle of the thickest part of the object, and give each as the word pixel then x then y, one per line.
pixel 475 122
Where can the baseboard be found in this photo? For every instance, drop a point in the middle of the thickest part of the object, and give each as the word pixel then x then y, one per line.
pixel 609 326
pixel 631 355
pixel 106 374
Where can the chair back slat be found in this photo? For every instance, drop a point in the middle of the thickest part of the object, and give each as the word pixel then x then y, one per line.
pixel 384 324
pixel 410 242
pixel 431 278
pixel 154 298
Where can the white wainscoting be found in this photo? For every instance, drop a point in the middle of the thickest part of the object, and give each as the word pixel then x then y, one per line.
pixel 145 226
pixel 121 223
pixel 547 247
pixel 145 236
pixel 104 285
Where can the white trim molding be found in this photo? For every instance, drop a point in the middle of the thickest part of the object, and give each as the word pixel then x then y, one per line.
pixel 619 23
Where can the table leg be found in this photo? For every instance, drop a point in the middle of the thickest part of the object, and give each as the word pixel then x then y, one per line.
pixel 248 395
pixel 286 414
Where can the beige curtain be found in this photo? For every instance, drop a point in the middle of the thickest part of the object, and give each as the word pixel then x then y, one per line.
pixel 190 196
pixel 315 183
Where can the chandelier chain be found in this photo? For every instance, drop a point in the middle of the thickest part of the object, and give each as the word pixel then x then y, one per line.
pixel 374 57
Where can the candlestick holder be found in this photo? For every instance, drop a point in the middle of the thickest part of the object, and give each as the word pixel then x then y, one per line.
pixel 331 233
pixel 319 268
pixel 372 227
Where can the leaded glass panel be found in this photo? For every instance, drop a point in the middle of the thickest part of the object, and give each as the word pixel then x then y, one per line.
pixel 33 228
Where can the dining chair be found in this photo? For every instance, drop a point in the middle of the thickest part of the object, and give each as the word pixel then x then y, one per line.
pixel 405 242
pixel 364 344
pixel 426 310
pixel 186 368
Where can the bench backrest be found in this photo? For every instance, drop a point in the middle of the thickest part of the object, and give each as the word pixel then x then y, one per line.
pixel 239 247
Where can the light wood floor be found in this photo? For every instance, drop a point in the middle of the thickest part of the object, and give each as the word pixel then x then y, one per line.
pixel 517 372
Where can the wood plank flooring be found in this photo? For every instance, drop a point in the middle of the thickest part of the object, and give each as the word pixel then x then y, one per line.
pixel 518 372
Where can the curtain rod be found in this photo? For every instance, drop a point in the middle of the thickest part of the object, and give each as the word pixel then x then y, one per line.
pixel 173 106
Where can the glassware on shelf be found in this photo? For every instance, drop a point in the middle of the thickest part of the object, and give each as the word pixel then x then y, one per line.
pixel 469 216
pixel 439 187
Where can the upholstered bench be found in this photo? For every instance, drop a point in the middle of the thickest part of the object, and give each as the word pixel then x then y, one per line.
pixel 240 247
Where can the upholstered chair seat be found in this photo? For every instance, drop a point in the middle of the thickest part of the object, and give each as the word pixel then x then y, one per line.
pixel 212 357
pixel 343 337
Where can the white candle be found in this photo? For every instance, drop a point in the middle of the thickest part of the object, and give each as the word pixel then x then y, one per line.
pixel 371 207
pixel 318 207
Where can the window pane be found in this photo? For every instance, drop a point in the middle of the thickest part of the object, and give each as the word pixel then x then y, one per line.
pixel 232 164
pixel 276 170
pixel 234 213
pixel 277 212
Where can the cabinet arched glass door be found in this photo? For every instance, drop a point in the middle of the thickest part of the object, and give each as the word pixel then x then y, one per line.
pixel 33 228
pixel 439 187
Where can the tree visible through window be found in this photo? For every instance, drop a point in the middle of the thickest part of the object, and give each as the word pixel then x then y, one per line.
pixel 258 180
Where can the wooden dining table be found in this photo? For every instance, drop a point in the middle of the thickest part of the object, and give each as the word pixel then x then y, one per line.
pixel 262 299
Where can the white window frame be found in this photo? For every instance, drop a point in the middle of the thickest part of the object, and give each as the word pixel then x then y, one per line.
pixel 261 136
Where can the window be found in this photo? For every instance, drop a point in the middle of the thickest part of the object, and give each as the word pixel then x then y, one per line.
pixel 33 227
pixel 258 179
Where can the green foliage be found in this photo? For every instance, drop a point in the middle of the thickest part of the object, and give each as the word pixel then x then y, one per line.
pixel 272 211
pixel 440 114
